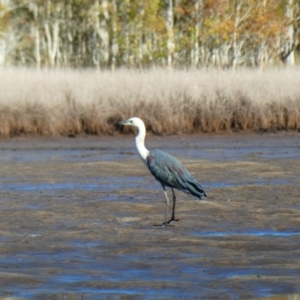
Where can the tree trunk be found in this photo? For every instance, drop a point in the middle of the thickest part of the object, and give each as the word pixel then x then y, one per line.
pixel 170 33
pixel 36 33
pixel 235 53
pixel 52 32
pixel 288 54
pixel 37 47
pixel 103 32
pixel 52 41
pixel 114 41
pixel 198 23
pixel 2 51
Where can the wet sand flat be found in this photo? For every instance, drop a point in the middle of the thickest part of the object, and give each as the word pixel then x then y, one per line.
pixel 77 219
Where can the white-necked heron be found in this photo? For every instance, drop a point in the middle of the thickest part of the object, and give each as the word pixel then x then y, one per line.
pixel 166 169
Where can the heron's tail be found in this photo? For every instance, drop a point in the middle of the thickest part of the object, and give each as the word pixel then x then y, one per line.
pixel 196 189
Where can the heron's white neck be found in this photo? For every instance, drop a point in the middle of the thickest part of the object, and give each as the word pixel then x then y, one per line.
pixel 140 143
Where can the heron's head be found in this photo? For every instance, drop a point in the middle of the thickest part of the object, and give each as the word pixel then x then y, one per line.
pixel 137 122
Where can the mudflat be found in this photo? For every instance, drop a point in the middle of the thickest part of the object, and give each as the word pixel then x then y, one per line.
pixel 77 218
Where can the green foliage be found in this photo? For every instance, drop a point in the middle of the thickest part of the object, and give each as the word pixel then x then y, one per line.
pixel 4 19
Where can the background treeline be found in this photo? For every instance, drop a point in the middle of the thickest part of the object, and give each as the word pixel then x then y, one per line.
pixel 141 33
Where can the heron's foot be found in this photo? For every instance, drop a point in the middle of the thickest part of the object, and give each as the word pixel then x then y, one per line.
pixel 164 224
pixel 171 220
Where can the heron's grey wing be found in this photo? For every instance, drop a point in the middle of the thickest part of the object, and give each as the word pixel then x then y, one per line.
pixel 170 172
pixel 161 165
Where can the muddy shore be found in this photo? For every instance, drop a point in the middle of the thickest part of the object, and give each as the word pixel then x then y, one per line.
pixel 77 218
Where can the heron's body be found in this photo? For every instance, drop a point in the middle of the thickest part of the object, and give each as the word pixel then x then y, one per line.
pixel 165 168
pixel 170 172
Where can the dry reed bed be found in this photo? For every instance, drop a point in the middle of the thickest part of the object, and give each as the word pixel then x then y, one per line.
pixel 64 102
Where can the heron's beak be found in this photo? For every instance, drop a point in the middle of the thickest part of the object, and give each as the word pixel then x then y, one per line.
pixel 123 123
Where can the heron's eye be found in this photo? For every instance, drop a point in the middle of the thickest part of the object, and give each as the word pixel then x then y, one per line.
pixel 131 121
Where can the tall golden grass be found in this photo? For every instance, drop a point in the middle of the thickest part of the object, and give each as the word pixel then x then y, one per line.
pixel 70 102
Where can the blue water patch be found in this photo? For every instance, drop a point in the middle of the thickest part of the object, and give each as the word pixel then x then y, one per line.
pixel 255 232
pixel 93 184
pixel 85 244
pixel 257 182
pixel 60 154
pixel 236 153
pixel 72 278
pixel 116 183
pixel 49 186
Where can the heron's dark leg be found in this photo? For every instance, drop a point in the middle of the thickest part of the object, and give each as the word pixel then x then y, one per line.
pixel 166 223
pixel 173 211
pixel 167 206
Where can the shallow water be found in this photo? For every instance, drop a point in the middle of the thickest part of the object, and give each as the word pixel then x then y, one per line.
pixel 111 184
pixel 254 232
pixel 77 220
pixel 283 297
